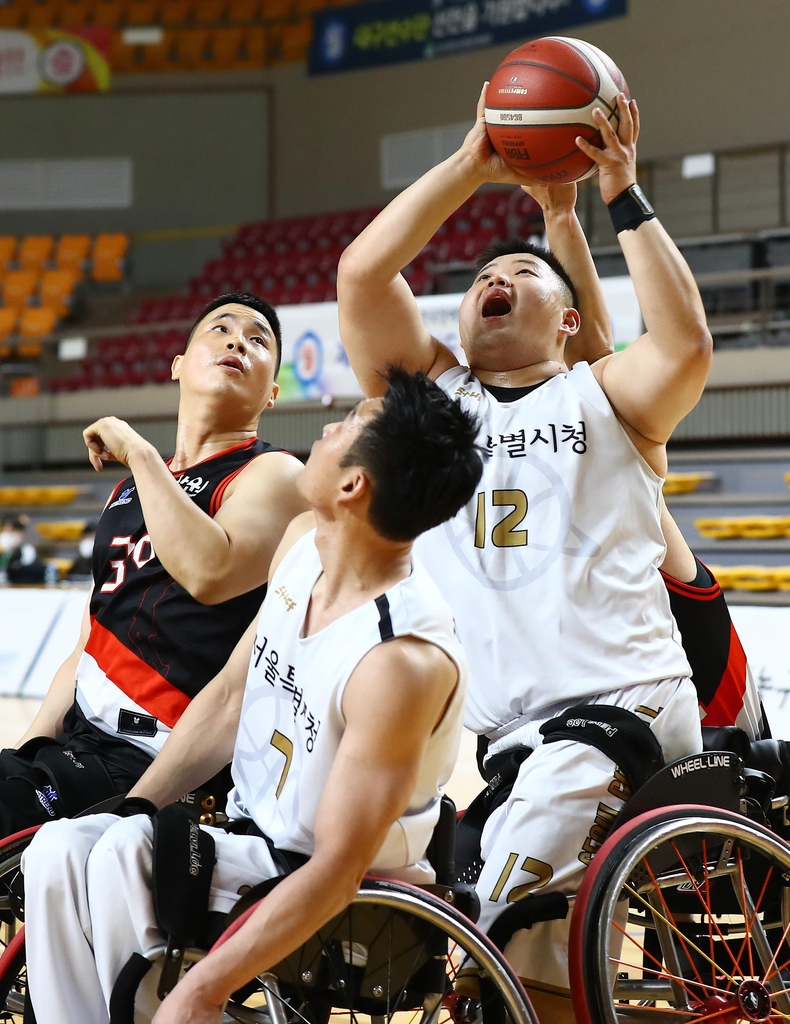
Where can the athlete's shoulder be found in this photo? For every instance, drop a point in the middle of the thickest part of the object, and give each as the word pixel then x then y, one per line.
pixel 264 477
pixel 298 539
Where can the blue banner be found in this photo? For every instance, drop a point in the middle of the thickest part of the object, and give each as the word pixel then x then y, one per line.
pixel 388 31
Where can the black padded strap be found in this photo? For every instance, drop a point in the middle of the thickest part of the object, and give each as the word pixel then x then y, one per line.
pixel 620 734
pixel 183 863
pixel 125 989
pixel 79 779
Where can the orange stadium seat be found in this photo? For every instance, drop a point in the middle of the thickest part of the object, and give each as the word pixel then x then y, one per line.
pixel 141 12
pixel 109 13
pixel 308 6
pixel 35 251
pixel 252 53
pixel 43 13
pixel 209 12
pixel 121 54
pixel 153 56
pixel 8 245
pixel 290 42
pixel 243 10
pixel 276 9
pixel 76 12
pixel 57 288
pixel 192 44
pixel 62 529
pixel 37 322
pixel 176 12
pixel 18 287
pixel 226 44
pixel 72 251
pixel 109 252
pixel 11 15
pixel 8 318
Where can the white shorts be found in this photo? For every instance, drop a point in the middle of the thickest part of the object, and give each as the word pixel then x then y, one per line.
pixel 88 908
pixel 565 798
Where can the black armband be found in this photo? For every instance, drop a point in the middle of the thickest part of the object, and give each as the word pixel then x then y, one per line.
pixel 630 209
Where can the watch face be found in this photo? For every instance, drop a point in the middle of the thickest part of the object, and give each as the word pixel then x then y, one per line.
pixel 641 198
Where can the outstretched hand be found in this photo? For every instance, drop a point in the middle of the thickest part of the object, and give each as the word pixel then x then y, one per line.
pixel 617 160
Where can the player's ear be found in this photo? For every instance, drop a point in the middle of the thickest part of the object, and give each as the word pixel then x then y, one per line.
pixel 175 369
pixel 354 485
pixel 273 395
pixel 571 322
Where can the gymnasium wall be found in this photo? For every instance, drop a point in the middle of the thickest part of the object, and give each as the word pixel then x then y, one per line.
pixel 199 158
pixel 708 74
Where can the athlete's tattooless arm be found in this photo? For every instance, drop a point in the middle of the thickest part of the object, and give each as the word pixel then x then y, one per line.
pixel 60 695
pixel 213 559
pixel 392 703
pixel 379 319
pixel 679 561
pixel 659 378
pixel 202 740
pixel 568 243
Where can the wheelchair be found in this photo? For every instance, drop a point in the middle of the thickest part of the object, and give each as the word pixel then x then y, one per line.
pixel 683 915
pixel 397 949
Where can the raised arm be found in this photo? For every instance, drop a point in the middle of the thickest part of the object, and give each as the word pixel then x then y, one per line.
pixel 202 740
pixel 567 241
pixel 392 703
pixel 658 379
pixel 213 559
pixel 60 695
pixel 379 319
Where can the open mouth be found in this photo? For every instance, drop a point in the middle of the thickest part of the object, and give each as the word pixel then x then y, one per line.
pixel 233 362
pixel 496 303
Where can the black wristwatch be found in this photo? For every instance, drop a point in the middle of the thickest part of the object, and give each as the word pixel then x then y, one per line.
pixel 630 209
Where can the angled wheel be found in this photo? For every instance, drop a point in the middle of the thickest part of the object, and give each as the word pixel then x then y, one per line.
pixel 396 952
pixel 684 915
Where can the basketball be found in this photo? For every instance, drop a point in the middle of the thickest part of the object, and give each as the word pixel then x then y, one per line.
pixel 541 97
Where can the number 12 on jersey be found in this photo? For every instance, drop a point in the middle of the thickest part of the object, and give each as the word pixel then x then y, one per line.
pixel 507 532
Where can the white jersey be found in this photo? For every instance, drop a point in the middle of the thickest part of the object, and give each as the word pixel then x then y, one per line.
pixel 292 720
pixel 552 568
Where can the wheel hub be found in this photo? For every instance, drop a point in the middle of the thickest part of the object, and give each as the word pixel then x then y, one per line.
pixel 751 1002
pixel 754 1000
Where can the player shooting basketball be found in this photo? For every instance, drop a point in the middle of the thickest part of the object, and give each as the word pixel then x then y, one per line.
pixel 180 563
pixel 552 569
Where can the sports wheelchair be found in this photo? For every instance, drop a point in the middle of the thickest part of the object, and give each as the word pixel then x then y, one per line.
pixel 683 915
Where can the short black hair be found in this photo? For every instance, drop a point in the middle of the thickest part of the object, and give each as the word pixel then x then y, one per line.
pixel 513 246
pixel 421 455
pixel 254 302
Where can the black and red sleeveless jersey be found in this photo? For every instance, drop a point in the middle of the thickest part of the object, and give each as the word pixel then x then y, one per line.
pixel 727 692
pixel 152 647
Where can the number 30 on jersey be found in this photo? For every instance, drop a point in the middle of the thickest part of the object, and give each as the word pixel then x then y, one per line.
pixel 507 532
pixel 140 552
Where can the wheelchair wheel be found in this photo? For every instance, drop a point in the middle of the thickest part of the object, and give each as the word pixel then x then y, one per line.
pixel 396 950
pixel 13 979
pixel 397 953
pixel 684 915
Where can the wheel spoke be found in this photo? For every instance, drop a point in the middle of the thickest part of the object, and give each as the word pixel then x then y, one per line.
pixel 677 931
pixel 670 977
pixel 657 890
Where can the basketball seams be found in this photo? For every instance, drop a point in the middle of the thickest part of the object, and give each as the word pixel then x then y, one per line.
pixel 560 74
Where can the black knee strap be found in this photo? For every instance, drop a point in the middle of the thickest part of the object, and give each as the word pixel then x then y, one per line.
pixel 79 779
pixel 620 734
pixel 183 862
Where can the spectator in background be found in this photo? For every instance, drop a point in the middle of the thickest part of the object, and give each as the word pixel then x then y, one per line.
pixel 25 566
pixel 12 537
pixel 82 566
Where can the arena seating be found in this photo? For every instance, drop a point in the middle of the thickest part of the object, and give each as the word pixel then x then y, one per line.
pixel 295 260
pixel 196 34
pixel 38 495
pixel 746 527
pixel 752 577
pixel 125 361
pixel 686 483
pixel 39 277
